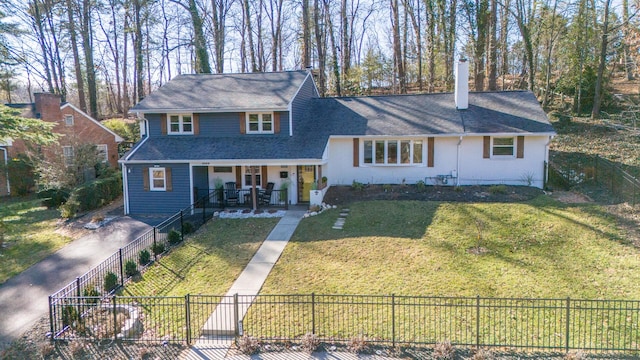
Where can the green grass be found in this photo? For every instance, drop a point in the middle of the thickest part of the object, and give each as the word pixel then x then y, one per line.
pixel 540 248
pixel 207 263
pixel 28 234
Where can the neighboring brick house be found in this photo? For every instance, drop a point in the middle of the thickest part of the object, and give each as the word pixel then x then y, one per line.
pixel 75 126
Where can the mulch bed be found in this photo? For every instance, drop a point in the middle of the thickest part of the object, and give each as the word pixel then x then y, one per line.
pixel 341 195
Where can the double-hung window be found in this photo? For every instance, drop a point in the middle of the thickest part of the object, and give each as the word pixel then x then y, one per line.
pixel 503 146
pixel 393 152
pixel 158 177
pixel 260 123
pixel 180 123
pixel 247 175
pixel 67 151
pixel 103 152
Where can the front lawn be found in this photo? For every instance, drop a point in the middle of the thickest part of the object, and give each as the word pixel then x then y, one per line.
pixel 540 248
pixel 29 234
pixel 208 262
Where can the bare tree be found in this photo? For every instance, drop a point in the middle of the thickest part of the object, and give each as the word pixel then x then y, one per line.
pixel 597 97
pixel 397 47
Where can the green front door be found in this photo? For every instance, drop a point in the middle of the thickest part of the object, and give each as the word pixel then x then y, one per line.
pixel 306 177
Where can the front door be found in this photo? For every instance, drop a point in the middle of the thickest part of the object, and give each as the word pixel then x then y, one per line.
pixel 306 177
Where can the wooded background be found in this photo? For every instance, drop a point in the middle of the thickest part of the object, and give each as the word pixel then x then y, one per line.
pixel 106 55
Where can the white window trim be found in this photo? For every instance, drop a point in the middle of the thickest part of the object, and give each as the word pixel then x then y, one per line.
pixel 260 123
pixel 180 125
pixel 386 149
pixel 245 172
pixel 67 122
pixel 105 150
pixel 68 158
pixel 152 186
pixel 514 146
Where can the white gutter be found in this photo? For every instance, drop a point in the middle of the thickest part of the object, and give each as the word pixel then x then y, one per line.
pixel 6 163
pixel 203 111
pixel 134 150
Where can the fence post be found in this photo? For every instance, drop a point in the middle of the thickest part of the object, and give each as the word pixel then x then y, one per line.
pixel 313 313
pixel 286 199
pixel 187 314
pixel 568 327
pixel 204 208
pixel 121 267
pixel 393 320
pixel 78 287
pixel 181 227
pixel 115 319
pixel 478 322
pixel 51 318
pixel 154 244
pixel 235 314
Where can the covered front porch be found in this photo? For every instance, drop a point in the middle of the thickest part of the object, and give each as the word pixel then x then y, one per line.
pixel 251 185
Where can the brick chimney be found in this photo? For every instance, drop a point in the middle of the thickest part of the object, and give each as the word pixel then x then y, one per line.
pixel 48 107
pixel 462 85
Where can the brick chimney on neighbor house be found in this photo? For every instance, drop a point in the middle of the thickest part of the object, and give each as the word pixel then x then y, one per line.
pixel 48 107
pixel 461 93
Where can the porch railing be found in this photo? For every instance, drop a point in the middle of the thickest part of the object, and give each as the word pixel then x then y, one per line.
pixel 219 198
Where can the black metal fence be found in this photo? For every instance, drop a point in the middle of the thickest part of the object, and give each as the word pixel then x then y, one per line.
pixel 112 273
pixel 553 324
pixel 586 170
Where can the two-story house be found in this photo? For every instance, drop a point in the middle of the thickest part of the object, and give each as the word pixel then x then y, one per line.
pixel 75 127
pixel 202 129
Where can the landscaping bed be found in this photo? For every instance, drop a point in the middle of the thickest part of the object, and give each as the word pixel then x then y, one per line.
pixel 345 194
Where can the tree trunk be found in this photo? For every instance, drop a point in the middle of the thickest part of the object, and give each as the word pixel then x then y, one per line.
pixel 431 45
pixel 37 18
pixel 334 49
pixel 139 59
pixel 90 70
pixel 628 65
pixel 492 48
pixel 345 41
pixel 76 57
pixel 319 48
pixel 219 8
pixel 414 14
pixel 252 52
pixel 306 35
pixel 397 47
pixel 597 97
pixel 504 44
pixel 550 44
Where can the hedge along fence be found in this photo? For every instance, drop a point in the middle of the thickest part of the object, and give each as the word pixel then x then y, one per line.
pixel 92 195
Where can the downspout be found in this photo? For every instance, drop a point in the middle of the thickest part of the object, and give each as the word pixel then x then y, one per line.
pixel 458 161
pixel 125 188
pixel 191 199
pixel 6 174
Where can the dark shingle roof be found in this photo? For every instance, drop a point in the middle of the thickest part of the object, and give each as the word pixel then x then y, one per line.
pixel 427 114
pixel 514 112
pixel 255 147
pixel 224 92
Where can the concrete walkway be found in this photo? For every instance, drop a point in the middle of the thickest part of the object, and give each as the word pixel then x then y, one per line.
pixel 248 283
pixel 24 297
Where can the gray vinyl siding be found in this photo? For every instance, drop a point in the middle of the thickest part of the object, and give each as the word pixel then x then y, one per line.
pixel 158 202
pixel 217 124
pixel 299 103
pixel 154 124
pixel 220 124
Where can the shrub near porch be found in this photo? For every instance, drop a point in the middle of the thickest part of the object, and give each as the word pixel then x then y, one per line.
pixel 540 248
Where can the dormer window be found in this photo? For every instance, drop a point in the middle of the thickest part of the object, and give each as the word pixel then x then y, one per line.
pixel 180 124
pixel 260 123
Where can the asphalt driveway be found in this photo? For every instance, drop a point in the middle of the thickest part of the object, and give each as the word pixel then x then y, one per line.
pixel 24 297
